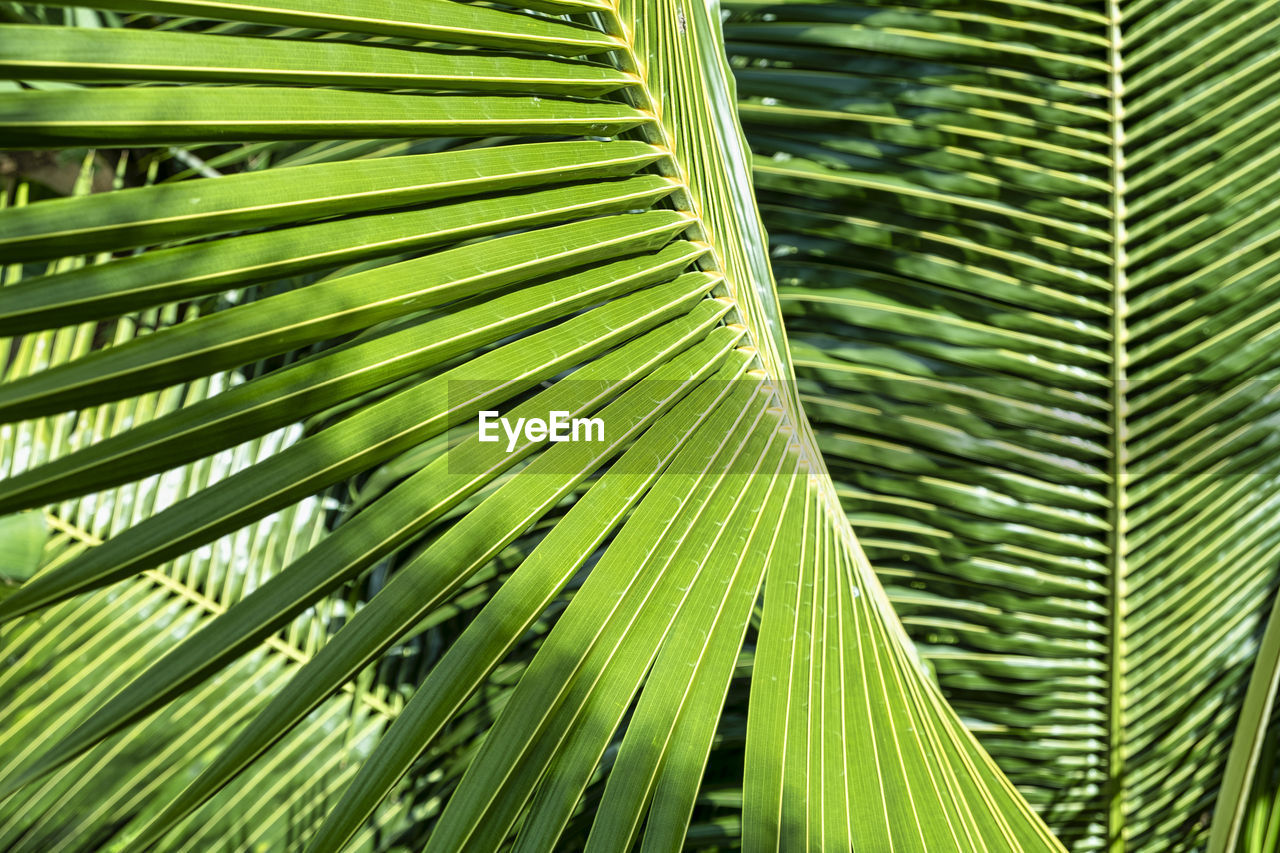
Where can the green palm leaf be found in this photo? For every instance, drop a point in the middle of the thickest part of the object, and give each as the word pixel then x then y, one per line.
pixel 667 638
pixel 113 632
pixel 1027 256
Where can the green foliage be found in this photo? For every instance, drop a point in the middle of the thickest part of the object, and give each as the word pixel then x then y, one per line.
pixel 586 626
pixel 1024 254
pixel 1027 259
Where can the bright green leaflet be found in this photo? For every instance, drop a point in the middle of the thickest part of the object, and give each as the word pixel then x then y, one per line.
pixel 401 227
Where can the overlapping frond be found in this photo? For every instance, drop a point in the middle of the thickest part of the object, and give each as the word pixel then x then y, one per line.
pixel 114 633
pixel 1027 256
pixel 581 239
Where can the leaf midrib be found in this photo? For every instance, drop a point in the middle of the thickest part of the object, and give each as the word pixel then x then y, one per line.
pixel 1118 446
pixel 641 97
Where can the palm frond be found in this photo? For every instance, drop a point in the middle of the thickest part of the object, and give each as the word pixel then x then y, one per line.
pixel 114 632
pixel 1027 257
pixel 583 239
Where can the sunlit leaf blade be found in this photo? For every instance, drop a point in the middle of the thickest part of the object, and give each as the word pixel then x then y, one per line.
pixel 122 117
pixel 373 435
pixel 332 308
pixel 100 55
pixel 451 208
pixel 48 654
pixel 22 538
pixel 662 761
pixel 153 278
pixel 424 20
pixel 514 608
pixel 434 574
pixel 1249 764
pixel 180 211
pixel 283 396
pixel 591 641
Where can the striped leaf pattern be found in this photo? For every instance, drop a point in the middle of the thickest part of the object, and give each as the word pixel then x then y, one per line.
pixel 1027 253
pixel 668 638
pixel 114 632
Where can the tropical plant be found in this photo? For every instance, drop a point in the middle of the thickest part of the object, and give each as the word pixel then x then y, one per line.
pixel 1027 255
pixel 625 260
pixel 292 602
